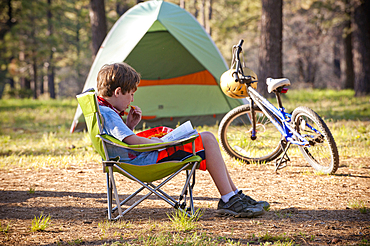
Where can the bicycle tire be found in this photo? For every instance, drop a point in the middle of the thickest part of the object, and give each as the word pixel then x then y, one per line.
pixel 322 154
pixel 234 135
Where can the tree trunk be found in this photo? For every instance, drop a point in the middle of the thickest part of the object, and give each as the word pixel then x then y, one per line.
pixel 195 4
pixel 98 24
pixel 33 57
pixel 9 22
pixel 203 12
pixel 22 79
pixel 337 56
pixel 51 78
pixel 182 4
pixel 34 68
pixel 27 83
pixel 208 24
pixel 349 80
pixel 121 7
pixel 51 67
pixel 270 53
pixel 42 87
pixel 11 83
pixel 361 47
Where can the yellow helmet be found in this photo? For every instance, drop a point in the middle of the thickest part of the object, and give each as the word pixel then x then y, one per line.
pixel 236 89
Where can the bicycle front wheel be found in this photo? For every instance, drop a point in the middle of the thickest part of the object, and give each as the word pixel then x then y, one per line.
pixel 235 136
pixel 322 154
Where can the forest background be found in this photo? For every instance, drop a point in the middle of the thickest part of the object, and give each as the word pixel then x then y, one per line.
pixel 48 46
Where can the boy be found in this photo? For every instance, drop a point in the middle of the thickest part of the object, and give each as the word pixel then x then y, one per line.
pixel 116 86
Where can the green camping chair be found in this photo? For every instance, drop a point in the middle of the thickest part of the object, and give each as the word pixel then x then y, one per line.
pixel 144 175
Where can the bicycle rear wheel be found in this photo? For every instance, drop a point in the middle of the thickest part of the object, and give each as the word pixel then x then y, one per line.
pixel 235 136
pixel 322 154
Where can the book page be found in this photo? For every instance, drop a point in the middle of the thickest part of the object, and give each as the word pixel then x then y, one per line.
pixel 184 130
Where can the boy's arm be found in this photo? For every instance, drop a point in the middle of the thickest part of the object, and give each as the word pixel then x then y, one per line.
pixel 133 140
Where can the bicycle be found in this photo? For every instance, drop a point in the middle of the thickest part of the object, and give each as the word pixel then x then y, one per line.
pixel 260 132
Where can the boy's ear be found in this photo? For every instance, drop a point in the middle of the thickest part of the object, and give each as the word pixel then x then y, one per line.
pixel 117 91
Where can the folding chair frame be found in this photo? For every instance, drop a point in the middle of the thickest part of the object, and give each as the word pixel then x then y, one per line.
pixel 153 189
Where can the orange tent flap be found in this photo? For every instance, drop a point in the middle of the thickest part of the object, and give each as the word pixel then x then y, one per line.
pixel 145 117
pixel 200 78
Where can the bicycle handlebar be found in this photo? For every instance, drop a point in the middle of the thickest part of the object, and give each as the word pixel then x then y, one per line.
pixel 240 44
pixel 237 52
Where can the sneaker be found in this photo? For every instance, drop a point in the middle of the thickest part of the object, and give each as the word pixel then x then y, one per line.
pixel 250 200
pixel 237 208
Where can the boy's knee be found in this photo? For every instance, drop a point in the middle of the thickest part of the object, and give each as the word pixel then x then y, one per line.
pixel 208 136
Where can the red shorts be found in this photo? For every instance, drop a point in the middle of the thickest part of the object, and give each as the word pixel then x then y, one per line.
pixel 184 151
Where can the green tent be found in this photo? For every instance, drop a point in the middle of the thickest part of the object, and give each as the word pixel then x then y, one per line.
pixel 180 65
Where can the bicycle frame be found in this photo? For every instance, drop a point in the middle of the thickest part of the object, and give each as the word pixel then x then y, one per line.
pixel 274 113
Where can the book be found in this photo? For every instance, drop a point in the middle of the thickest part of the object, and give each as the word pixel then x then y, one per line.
pixel 183 131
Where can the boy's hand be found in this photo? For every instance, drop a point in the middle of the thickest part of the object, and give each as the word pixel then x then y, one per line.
pixel 158 140
pixel 133 117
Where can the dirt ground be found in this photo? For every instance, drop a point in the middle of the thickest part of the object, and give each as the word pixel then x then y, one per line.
pixel 308 208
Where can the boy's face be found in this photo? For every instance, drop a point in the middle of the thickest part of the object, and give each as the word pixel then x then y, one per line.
pixel 124 100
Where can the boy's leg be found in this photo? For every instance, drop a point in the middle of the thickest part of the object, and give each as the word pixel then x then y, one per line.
pixel 216 165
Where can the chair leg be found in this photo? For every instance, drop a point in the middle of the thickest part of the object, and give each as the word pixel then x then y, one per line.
pixel 191 201
pixel 190 184
pixel 188 187
pixel 109 197
pixel 110 168
pixel 191 193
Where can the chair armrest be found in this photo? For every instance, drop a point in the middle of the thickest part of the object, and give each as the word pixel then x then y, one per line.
pixel 145 147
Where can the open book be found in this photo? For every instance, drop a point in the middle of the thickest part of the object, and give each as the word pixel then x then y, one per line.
pixel 183 131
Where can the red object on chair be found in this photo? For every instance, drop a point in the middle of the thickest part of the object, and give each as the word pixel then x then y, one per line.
pixel 159 132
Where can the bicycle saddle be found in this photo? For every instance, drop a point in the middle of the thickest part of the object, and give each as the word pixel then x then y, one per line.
pixel 273 84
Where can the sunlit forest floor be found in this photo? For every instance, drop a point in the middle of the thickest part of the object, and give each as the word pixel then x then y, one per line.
pixel 46 171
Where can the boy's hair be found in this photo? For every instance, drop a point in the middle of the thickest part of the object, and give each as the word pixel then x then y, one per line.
pixel 112 76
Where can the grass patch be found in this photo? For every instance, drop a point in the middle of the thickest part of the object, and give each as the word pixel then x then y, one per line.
pixel 268 239
pixel 175 238
pixel 283 215
pixel 330 104
pixel 5 228
pixel 40 223
pixel 314 172
pixel 107 225
pixel 181 221
pixel 364 242
pixel 35 134
pixel 120 224
pixel 360 205
pixel 31 190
